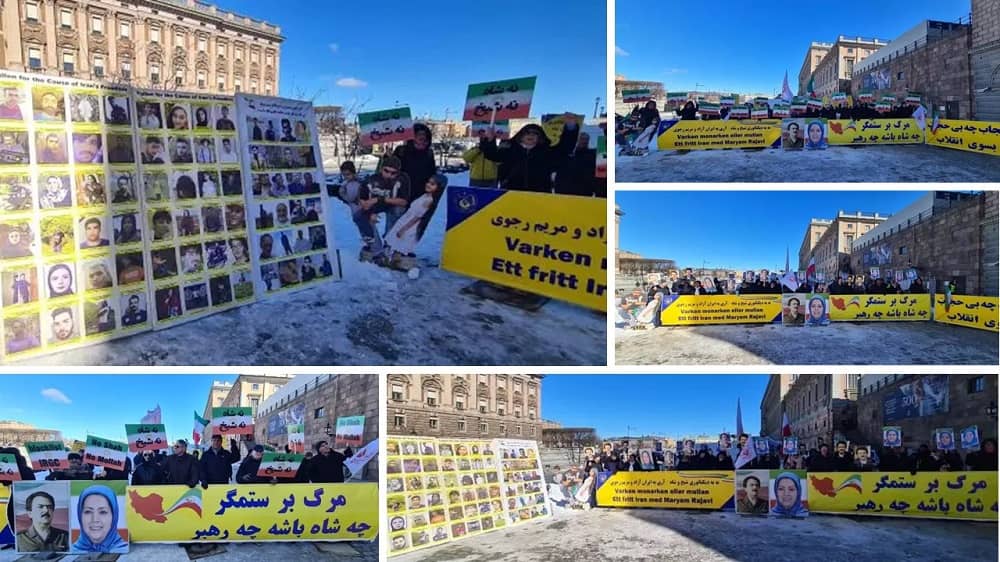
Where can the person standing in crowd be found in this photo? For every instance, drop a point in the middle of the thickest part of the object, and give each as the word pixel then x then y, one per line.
pixel 842 461
pixel 951 461
pixel 527 161
pixel 608 461
pixel 822 461
pixel 76 471
pixel 985 458
pixel 216 464
pixel 388 192
pixel 22 465
pixel 917 287
pixel 327 465
pixel 724 462
pixel 689 112
pixel 416 159
pixel 632 465
pixel 148 470
pixel 247 473
pixel 924 461
pixel 114 474
pixel 182 468
pixel 482 170
pixel 863 461
pixel 576 175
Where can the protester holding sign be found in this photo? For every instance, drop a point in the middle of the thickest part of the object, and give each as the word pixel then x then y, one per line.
pixel 328 465
pixel 24 471
pixel 148 469
pixel 247 473
pixel 216 464
pixel 417 161
pixel 527 161
pixel 182 468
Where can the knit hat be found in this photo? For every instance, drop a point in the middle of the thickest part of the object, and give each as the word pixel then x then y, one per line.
pixel 258 448
pixel 392 162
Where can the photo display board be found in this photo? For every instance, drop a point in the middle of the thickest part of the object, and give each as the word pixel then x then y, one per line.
pixel 71 268
pixel 524 481
pixel 197 253
pixel 290 236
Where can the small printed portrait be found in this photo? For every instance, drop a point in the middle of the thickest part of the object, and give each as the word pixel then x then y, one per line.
pixel 48 104
pixel 793 309
pixel 818 310
pixel 90 190
pixel 119 149
pixel 473 526
pixel 156 186
pixel 416 501
pixel 317 237
pixel 398 543
pixel 235 217
pixel 93 232
pixel 944 440
pixel 153 151
pixel 162 224
pixel 15 194
pixel 308 273
pixel 126 228
pixel 178 116
pixel 11 105
pixel 891 437
pixel 180 150
pixel 129 269
pixel 195 296
pixel 301 131
pixel 242 285
pixel 437 516
pixel 261 184
pixel 288 272
pixel 116 110
pixel 816 135
pixel 305 158
pixel 188 223
pixel 295 183
pixel 432 482
pixel 392 447
pixel 277 186
pixel 267 249
pixel 192 260
pixel 287 158
pixel 793 134
pixel 788 495
pixel 211 219
pixel 286 131
pixel 98 317
pixel 269 276
pixel 201 117
pixel 168 303
pixel 397 523
pixel 222 290
pixel 216 255
pixel 309 185
pixel 149 115
pixel 20 286
pixel 84 108
pixel 265 216
pixel 418 520
pixel 184 186
pixel 123 187
pixel 232 184
pixel 164 262
pixel 204 152
pixel 21 333
pixel 50 146
pixel 458 530
pixel 300 244
pixel 224 118
pixel 227 152
pixel 862 454
pixel 40 517
pixel 57 234
pixel 14 148
pixel 208 184
pixel 445 450
pixel 420 538
pixel 393 466
pixel 970 438
pixel 99 525
pixel 96 274
pixel 313 210
pixel 412 465
pixel 63 324
pixel 87 148
pixel 54 191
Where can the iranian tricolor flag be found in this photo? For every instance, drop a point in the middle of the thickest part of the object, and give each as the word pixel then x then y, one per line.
pixel 279 465
pixel 913 98
pixel 759 111
pixel 602 158
pixel 866 97
pixel 387 125
pixel 232 421
pixel 839 97
pixel 9 471
pixel 883 106
pixel 813 102
pixel 296 437
pixel 47 455
pixel 727 101
pixel 511 99
pixel 636 96
pixel 676 98
pixel 781 110
pixel 709 109
pixel 146 437
pixel 200 424
pixel 889 99
pixel 739 111
pixel 811 269
pixel 479 128
pixel 105 452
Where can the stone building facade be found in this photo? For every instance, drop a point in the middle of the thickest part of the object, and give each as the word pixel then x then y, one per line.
pixel 834 71
pixel 621 83
pixel 166 44
pixel 246 391
pixel 822 407
pixel 833 248
pixel 316 401
pixel 935 63
pixel 474 406
pixel 970 399
pixel 985 60
pixel 771 404
pixel 817 50
pixel 17 433
pixel 954 238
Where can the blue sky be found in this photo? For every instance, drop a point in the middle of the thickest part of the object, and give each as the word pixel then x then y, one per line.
pixel 103 404
pixel 667 405
pixel 737 229
pixel 425 54
pixel 732 47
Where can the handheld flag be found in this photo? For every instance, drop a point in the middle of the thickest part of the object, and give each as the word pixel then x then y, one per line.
pixel 152 416
pixel 199 428
pixel 739 418
pixel 747 454
pixel 786 426
pixel 786 92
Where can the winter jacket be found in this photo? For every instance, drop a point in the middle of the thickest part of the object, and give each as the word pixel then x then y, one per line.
pixel 576 174
pixel 148 474
pixel 521 169
pixel 418 164
pixel 327 468
pixel 482 170
pixel 182 469
pixel 842 464
pixel 247 473
pixel 217 468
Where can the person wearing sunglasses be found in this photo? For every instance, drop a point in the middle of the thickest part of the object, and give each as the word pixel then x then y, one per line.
pixel 182 468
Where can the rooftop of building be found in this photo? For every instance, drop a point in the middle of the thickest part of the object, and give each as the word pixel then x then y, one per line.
pixel 912 39
pixel 921 209
pixel 214 12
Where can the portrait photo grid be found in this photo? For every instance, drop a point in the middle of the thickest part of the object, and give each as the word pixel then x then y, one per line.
pixel 70 239
pixel 198 257
pixel 283 175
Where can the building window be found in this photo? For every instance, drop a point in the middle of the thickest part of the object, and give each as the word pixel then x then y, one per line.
pixel 531 413
pixel 482 406
pixel 253 86
pixel 977 384
pixel 238 85
pixel 461 425
pixel 459 403
pixel 902 250
pixel 154 34
pixel 202 44
pixel 270 59
pixel 503 429
pixel 397 392
pixel 68 63
pixel 66 19
pixel 255 386
pixel 431 397
pixel 899 76
pixel 398 421
pixel 254 402
pixel 127 69
pixel 432 423
pixel 319 413
pixel 254 57
pixel 202 80
pixel 34 57
pixel 222 82
pixel 532 431
pixel 267 89
pixel 517 429
pixel 99 66
pixel 501 410
pixel 97 24
pixel 154 73
pixel 179 77
pixel 179 38
pixel 31 11
pixel 239 54
pixel 125 29
pixel 483 427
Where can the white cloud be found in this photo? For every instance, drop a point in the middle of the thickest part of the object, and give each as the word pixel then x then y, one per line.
pixel 350 82
pixel 677 71
pixel 56 395
pixel 334 47
pixel 620 52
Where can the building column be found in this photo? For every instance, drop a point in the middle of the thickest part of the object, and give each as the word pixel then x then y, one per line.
pixel 49 55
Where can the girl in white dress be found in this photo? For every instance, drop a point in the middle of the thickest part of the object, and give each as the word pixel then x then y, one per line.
pixel 403 237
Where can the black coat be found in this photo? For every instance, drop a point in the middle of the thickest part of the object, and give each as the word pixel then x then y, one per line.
pixel 147 474
pixel 247 473
pixel 576 175
pixel 182 470
pixel 217 468
pixel 521 169
pixel 327 468
pixel 418 164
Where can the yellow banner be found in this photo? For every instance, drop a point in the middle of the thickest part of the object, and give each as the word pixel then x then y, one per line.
pixel 973 136
pixel 699 135
pixel 260 512
pixel 686 310
pixel 553 125
pixel 968 311
pixel 939 495
pixel 874 131
pixel 856 308
pixel 552 245
pixel 6 531
pixel 678 490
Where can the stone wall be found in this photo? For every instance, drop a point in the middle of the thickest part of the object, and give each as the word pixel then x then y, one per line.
pixel 964 408
pixel 985 59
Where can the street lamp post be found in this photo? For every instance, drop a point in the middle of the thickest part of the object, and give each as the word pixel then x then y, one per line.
pixel 991 410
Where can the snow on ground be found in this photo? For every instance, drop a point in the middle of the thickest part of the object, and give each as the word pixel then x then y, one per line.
pixel 893 163
pixel 840 343
pixel 374 316
pixel 654 535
